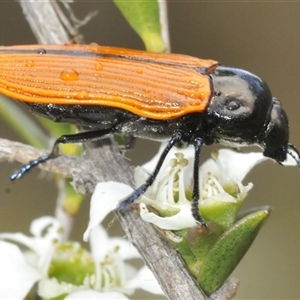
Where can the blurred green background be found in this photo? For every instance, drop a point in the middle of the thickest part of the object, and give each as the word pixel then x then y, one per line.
pixel 261 37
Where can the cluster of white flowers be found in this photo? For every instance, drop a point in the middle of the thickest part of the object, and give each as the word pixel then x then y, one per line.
pixel 225 171
pixel 113 277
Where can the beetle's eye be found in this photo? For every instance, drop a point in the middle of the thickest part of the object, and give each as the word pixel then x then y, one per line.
pixel 233 105
pixel 218 94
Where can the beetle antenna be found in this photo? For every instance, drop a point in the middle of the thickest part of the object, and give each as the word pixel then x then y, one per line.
pixel 294 153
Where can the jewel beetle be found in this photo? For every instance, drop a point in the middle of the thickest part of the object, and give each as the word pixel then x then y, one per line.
pixel 178 98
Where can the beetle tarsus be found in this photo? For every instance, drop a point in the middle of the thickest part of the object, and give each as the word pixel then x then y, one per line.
pixel 197 216
pixel 26 168
pixel 64 139
pixel 132 197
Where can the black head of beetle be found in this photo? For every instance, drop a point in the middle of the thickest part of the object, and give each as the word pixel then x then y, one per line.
pixel 243 112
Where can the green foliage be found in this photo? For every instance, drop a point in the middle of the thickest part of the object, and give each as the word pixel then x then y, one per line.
pixel 143 17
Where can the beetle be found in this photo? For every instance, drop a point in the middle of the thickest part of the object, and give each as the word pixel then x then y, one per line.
pixel 178 98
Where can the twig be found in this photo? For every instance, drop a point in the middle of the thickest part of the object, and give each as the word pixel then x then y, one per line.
pixel 103 164
pixel 46 32
pixel 163 15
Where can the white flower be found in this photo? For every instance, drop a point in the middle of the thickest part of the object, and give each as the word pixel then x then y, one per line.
pixel 109 276
pixel 17 276
pixel 104 200
pixel 220 180
pixel 21 270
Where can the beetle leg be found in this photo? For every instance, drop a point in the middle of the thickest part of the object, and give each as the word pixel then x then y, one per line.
pixel 176 137
pixel 65 139
pixel 198 142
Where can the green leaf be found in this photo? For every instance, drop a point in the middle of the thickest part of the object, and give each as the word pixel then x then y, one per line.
pixel 23 124
pixel 143 17
pixel 229 250
pixel 28 127
pixel 178 241
pixel 251 210
pixel 201 240
pixel 57 129
pixel 223 213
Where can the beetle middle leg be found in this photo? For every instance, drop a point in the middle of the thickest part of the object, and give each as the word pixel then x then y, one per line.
pixel 177 136
pixel 198 142
pixel 65 139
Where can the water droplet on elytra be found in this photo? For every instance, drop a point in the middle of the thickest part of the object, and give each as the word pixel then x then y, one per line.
pixel 98 67
pixel 82 95
pixel 29 63
pixel 94 47
pixel 69 75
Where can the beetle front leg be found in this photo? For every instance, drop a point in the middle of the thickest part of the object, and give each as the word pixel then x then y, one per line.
pixel 65 139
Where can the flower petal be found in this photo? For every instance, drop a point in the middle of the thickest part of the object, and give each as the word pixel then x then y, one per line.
pixel 183 219
pixel 42 247
pixel 52 288
pixel 96 295
pixel 140 175
pixel 126 249
pixel 105 199
pixel 238 164
pixel 150 165
pixel 16 276
pixel 101 244
pixel 146 281
pixel 46 226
